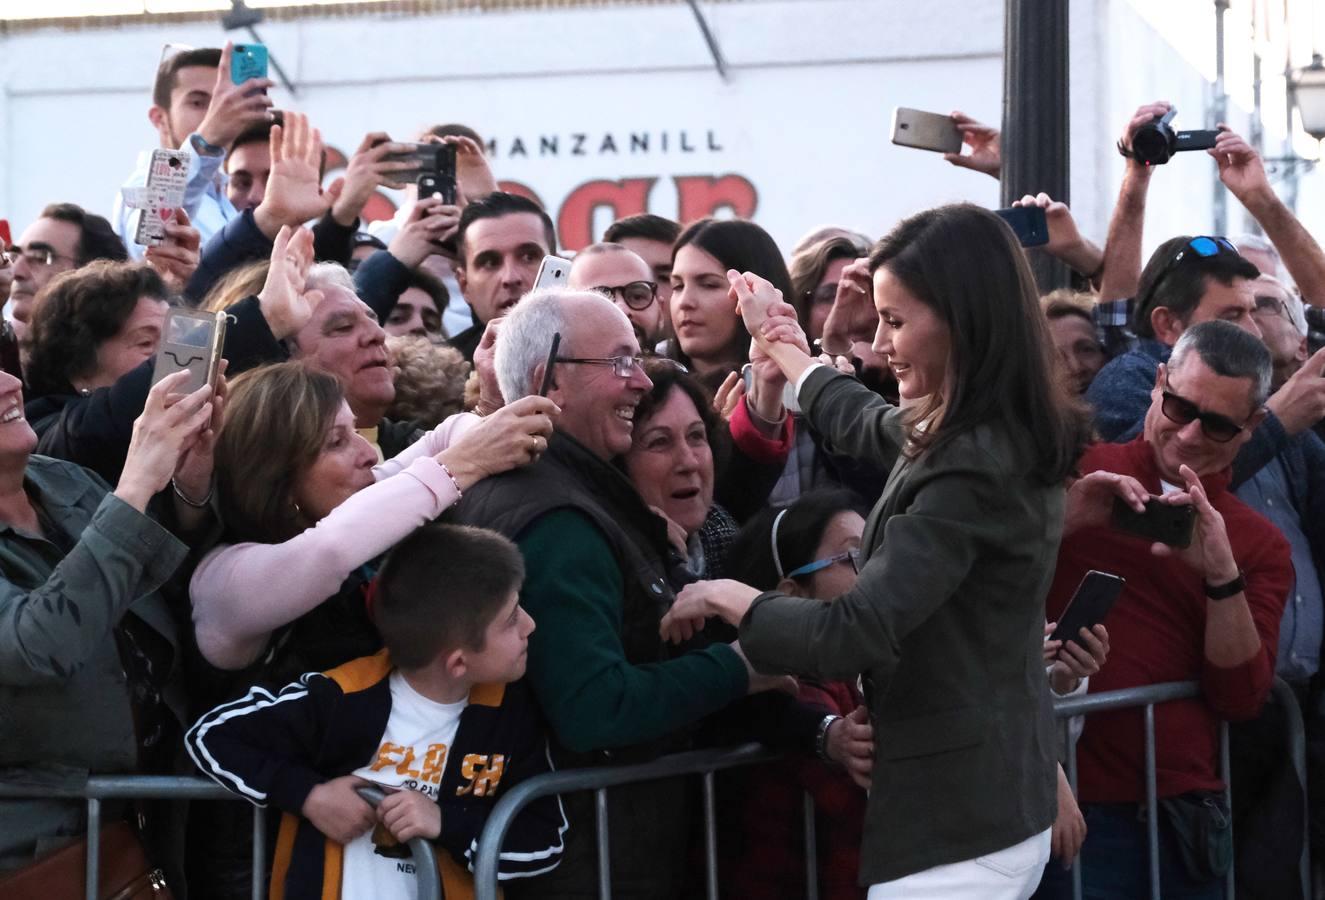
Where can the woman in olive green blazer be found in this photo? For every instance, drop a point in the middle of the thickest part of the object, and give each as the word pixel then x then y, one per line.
pixel 946 620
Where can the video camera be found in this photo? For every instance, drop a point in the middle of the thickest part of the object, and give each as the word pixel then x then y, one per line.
pixel 1155 142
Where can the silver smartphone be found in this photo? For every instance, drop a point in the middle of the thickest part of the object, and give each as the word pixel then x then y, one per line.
pixel 191 342
pixel 925 131
pixel 553 272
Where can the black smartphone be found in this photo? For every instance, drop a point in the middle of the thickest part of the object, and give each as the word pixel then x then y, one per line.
pixel 1166 523
pixel 550 365
pixel 1094 598
pixel 1028 224
pixel 437 175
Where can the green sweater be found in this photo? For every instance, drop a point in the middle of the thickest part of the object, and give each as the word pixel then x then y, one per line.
pixel 593 696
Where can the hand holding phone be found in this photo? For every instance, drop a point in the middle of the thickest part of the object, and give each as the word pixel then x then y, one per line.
pixel 191 341
pixel 247 61
pixel 167 178
pixel 925 131
pixel 550 365
pixel 1028 223
pixel 1165 523
pixel 1089 606
pixel 553 272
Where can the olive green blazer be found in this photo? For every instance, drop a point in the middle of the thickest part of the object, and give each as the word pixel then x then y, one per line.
pixel 946 625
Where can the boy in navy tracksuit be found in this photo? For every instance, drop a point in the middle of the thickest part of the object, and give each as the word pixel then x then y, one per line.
pixel 439 719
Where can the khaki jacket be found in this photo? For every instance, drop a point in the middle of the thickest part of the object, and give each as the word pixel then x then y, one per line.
pixel 946 625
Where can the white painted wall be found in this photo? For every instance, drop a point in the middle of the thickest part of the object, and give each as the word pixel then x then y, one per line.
pixel 804 115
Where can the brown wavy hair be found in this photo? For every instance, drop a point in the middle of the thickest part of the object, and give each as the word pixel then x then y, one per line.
pixel 276 418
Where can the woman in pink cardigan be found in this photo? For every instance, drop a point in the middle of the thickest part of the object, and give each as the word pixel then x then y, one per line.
pixel 307 514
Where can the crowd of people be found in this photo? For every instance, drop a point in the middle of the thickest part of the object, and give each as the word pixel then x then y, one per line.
pixel 433 530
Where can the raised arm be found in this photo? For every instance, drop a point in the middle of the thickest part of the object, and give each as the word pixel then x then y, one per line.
pixel 1122 246
pixel 1241 171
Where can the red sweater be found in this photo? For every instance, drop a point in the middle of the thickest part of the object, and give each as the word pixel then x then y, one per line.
pixel 1157 634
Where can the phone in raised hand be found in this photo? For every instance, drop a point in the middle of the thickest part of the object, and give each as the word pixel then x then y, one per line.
pixel 925 131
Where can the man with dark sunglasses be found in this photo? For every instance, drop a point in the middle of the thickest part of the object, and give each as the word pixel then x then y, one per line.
pixel 1196 279
pixel 1209 612
pixel 623 277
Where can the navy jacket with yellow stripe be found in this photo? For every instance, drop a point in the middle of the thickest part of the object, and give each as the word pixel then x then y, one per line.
pixel 276 749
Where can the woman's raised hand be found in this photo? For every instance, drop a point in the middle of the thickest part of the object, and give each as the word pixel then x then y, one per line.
pixel 853 318
pixel 515 435
pixel 169 426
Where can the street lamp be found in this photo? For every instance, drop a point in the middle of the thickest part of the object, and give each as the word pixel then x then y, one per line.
pixel 1308 91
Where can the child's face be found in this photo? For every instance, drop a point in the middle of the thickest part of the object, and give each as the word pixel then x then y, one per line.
pixel 505 646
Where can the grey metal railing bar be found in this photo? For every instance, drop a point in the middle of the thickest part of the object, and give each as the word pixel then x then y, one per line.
pixel 425 861
pixel 98 788
pixel 710 838
pixel 596 779
pixel 811 850
pixel 604 844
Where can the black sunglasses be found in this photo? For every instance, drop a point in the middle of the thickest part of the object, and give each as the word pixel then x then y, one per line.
pixel 1220 429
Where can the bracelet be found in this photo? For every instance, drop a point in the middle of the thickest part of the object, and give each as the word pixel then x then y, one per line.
pixel 458 493
pixel 821 737
pixel 1227 589
pixel 196 504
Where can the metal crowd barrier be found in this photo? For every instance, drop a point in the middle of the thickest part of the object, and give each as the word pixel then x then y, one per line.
pixel 164 787
pixel 1151 696
pixel 706 763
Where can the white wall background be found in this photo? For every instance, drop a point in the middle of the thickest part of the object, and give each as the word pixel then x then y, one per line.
pixel 804 115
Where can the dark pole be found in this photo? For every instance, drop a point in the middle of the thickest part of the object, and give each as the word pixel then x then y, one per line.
pixel 1035 113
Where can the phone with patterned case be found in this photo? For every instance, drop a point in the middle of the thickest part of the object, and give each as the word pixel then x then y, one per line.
pixel 167 176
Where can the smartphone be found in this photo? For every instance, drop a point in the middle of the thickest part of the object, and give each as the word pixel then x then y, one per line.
pixel 550 365
pixel 1028 224
pixel 553 272
pixel 438 174
pixel 1088 607
pixel 191 341
pixel 167 177
pixel 6 239
pixel 925 131
pixel 247 61
pixel 1166 523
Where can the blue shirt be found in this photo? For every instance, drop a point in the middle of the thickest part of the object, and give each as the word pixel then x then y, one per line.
pixel 1270 494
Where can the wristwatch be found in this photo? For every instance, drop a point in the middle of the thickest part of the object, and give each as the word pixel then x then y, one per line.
pixel 1226 590
pixel 204 147
pixel 821 737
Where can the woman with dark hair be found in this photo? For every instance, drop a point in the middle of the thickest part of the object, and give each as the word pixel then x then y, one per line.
pixel 807 549
pixel 946 619
pixel 711 340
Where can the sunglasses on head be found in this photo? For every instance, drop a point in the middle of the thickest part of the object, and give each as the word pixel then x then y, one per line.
pixel 1182 411
pixel 1200 247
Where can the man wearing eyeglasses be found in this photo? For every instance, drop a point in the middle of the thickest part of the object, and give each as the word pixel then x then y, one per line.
pixel 1209 612
pixel 596 578
pixel 64 237
pixel 623 277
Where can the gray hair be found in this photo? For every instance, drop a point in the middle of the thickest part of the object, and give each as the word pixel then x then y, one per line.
pixel 329 274
pixel 526 335
pixel 1229 351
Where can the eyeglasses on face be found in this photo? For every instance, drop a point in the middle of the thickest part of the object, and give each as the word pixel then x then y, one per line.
pixel 37 257
pixel 1182 411
pixel 1271 303
pixel 622 366
pixel 851 556
pixel 638 295
pixel 823 295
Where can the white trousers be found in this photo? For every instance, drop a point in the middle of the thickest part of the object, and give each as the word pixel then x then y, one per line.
pixel 1012 873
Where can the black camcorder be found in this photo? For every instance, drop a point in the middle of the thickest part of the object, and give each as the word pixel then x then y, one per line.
pixel 1155 142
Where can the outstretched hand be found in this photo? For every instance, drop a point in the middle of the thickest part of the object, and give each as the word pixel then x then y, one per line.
pixel 285 304
pixel 985 155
